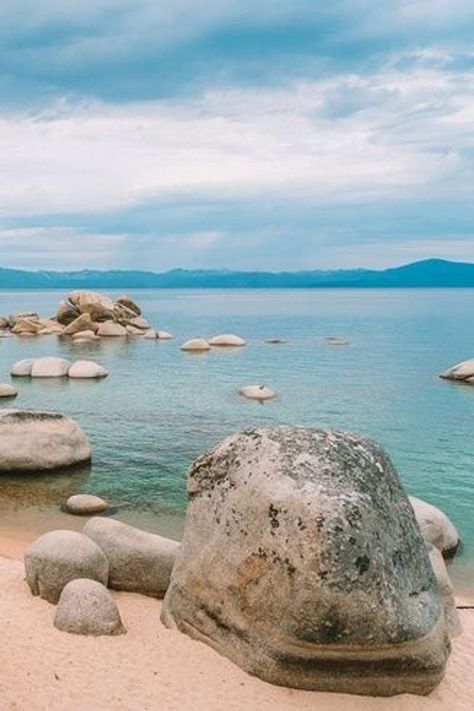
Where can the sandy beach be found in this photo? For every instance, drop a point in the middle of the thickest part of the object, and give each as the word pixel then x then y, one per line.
pixel 154 668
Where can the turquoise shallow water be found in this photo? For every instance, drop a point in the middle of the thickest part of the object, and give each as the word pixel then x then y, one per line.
pixel 160 408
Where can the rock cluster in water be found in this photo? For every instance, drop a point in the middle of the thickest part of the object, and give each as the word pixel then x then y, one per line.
pixel 302 562
pixel 54 367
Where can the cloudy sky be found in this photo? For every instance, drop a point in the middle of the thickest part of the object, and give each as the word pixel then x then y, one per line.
pixel 278 134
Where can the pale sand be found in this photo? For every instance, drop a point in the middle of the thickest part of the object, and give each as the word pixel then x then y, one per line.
pixel 152 668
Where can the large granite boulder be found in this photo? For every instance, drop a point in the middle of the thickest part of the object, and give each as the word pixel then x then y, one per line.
pixel 83 322
pixel 50 367
pixel 22 368
pixel 139 561
pixel 58 557
pixel 303 563
pixel 87 607
pixel 436 528
pixel 99 307
pixel 461 371
pixel 66 313
pixel 110 329
pixel 87 369
pixel 39 441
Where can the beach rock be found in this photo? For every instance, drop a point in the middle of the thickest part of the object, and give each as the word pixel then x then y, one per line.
pixel 126 301
pixel 460 371
pixel 86 504
pixel 164 335
pixel 50 367
pixel 226 340
pixel 86 369
pixel 446 591
pixel 435 526
pixel 58 557
pixel 66 313
pixel 39 441
pixel 99 307
pixel 257 392
pixel 7 390
pixel 87 607
pixel 109 329
pixel 196 344
pixel 302 562
pixel 139 561
pixel 81 323
pixel 22 368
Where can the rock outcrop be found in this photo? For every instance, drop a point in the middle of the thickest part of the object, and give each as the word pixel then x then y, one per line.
pixel 40 441
pixel 58 557
pixel 303 563
pixel 87 607
pixel 139 561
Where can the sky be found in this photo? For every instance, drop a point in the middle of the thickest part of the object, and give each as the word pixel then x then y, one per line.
pixel 269 135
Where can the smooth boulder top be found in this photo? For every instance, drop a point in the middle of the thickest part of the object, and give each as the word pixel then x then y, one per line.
pixel 32 440
pixel 83 322
pixel 22 368
pixel 87 607
pixel 139 561
pixel 50 367
pixel 58 557
pixel 460 371
pixel 164 336
pixel 7 390
pixel 196 344
pixel 435 526
pixel 87 369
pixel 227 340
pixel 257 392
pixel 303 563
pixel 86 504
pixel 111 330
pixel 92 302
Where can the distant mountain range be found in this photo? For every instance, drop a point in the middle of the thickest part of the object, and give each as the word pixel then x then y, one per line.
pixel 429 273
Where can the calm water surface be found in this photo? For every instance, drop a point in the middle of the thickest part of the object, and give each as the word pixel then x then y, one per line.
pixel 160 407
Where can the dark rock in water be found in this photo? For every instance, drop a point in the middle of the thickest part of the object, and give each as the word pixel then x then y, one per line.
pixel 302 562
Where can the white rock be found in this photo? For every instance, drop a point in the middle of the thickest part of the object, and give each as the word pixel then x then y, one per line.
pixel 257 392
pixel 164 335
pixel 227 339
pixel 436 528
pixel 50 367
pixel 7 390
pixel 93 303
pixel 39 441
pixel 446 591
pixel 134 331
pixel 22 368
pixel 86 504
pixel 83 322
pixel 460 371
pixel 333 341
pixel 110 329
pixel 86 369
pixel 150 334
pixel 85 336
pixel 58 557
pixel 87 607
pixel 196 344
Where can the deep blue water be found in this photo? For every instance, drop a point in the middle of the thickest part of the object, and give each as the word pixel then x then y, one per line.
pixel 160 407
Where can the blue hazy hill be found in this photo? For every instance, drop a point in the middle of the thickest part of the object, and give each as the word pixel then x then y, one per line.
pixel 432 273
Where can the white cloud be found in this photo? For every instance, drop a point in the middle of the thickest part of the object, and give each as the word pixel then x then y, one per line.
pixel 354 137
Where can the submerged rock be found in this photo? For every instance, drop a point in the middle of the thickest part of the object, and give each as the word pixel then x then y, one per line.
pixel 87 607
pixel 86 369
pixel 302 562
pixel 58 557
pixel 86 504
pixel 435 526
pixel 139 561
pixel 38 441
pixel 227 340
pixel 196 344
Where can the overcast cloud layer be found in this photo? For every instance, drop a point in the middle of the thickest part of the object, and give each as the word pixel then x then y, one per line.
pixel 271 135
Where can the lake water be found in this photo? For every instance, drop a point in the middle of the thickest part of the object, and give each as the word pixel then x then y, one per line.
pixel 159 408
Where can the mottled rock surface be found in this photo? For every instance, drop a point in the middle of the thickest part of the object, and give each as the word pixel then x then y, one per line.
pixel 139 561
pixel 58 557
pixel 303 563
pixel 87 607
pixel 38 441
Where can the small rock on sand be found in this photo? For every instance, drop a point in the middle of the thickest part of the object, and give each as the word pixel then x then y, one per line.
pixel 87 607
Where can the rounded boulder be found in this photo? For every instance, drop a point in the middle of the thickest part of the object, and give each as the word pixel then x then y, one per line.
pixel 50 367
pixel 87 607
pixel 86 504
pixel 86 369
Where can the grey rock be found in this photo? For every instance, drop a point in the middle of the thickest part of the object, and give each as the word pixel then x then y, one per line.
pixel 139 561
pixel 39 441
pixel 58 557
pixel 87 607
pixel 86 504
pixel 446 591
pixel 302 562
pixel 435 526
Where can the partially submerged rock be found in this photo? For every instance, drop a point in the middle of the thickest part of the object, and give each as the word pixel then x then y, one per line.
pixel 86 369
pixel 164 335
pixel 86 504
pixel 257 392
pixel 302 562
pixel 50 367
pixel 87 607
pixel 461 371
pixel 110 329
pixel 58 557
pixel 7 390
pixel 196 345
pixel 98 306
pixel 435 526
pixel 83 322
pixel 139 561
pixel 22 368
pixel 39 441
pixel 227 340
